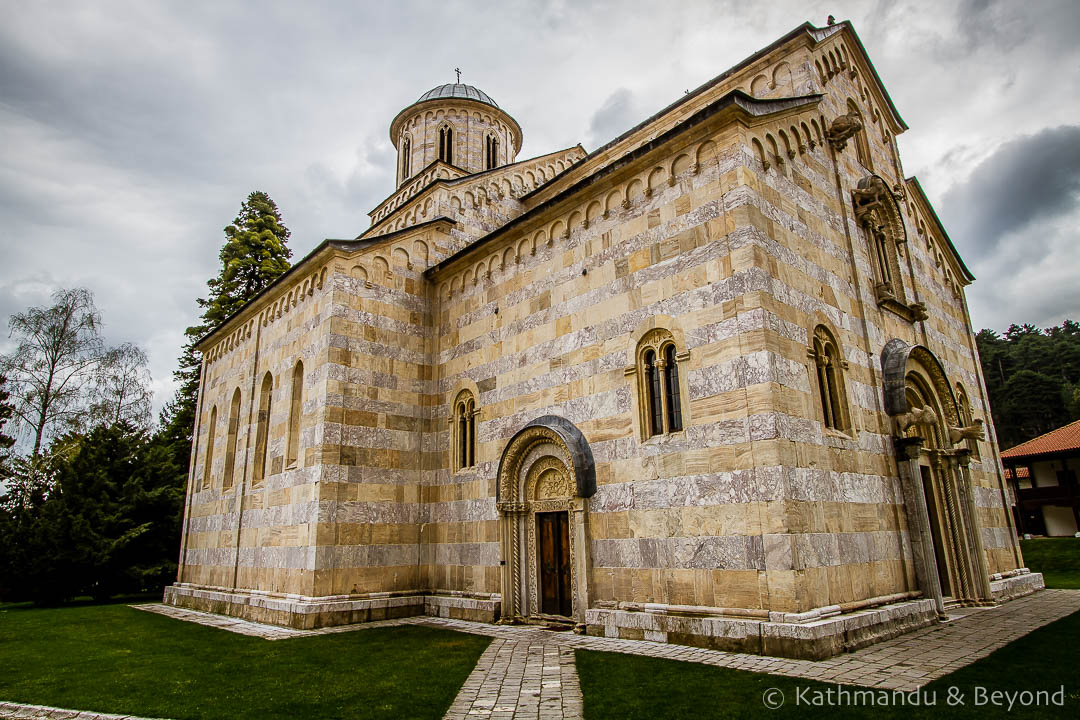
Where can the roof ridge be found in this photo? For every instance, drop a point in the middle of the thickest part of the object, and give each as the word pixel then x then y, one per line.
pixel 1014 451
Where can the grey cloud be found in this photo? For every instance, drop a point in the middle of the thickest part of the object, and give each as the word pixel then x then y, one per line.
pixel 618 113
pixel 1027 180
pixel 131 131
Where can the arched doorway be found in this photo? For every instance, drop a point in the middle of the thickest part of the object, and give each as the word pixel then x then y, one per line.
pixel 943 526
pixel 546 476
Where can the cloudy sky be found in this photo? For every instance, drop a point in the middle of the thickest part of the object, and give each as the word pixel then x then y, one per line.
pixel 132 131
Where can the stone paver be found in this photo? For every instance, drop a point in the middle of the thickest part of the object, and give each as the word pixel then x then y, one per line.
pixel 43 712
pixel 529 672
pixel 520 680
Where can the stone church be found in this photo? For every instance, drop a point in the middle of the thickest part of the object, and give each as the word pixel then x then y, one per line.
pixel 713 383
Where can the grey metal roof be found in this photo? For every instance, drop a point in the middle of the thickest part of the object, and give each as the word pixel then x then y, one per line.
pixel 458 90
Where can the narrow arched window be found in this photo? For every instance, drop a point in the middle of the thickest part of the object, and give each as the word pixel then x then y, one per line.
pixel 655 404
pixel 830 368
pixel 262 429
pixel 881 247
pixel 862 145
pixel 296 407
pixel 659 383
pixel 491 152
pixel 230 445
pixel 446 144
pixel 406 158
pixel 463 425
pixel 209 463
pixel 671 381
pixel 966 418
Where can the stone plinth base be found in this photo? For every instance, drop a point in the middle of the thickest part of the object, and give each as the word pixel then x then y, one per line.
pixel 811 640
pixel 308 613
pixel 460 607
pixel 1024 582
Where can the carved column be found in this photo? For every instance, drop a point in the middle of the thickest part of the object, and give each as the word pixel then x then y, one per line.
pixel 971 521
pixel 510 528
pixel 945 467
pixel 922 542
pixel 580 560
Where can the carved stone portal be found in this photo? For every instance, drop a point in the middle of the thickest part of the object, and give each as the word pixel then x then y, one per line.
pixel 539 477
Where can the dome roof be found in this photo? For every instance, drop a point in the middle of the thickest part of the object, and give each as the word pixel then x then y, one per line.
pixel 458 90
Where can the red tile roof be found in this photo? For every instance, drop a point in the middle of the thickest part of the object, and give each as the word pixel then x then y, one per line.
pixel 1060 440
pixel 1021 473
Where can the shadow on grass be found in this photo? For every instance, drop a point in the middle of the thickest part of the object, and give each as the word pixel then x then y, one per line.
pixel 633 687
pixel 112 658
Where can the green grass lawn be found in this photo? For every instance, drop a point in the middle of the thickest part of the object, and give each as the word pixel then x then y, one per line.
pixel 628 687
pixel 112 658
pixel 1058 559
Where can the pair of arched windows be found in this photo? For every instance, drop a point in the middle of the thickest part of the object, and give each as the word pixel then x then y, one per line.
pixel 230 444
pixel 491 153
pixel 463 430
pixel 262 431
pixel 829 365
pixel 262 422
pixel 659 384
pixel 446 144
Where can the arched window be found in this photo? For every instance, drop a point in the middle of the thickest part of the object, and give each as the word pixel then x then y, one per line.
pixel 659 384
pixel 966 418
pixel 830 380
pixel 491 153
pixel 406 158
pixel 463 430
pixel 446 144
pixel 671 376
pixel 209 463
pixel 230 445
pixel 262 428
pixel 296 408
pixel 862 145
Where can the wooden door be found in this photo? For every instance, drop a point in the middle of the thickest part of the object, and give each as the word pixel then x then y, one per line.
pixel 936 527
pixel 554 531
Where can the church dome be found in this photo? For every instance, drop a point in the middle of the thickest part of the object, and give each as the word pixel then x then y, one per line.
pixel 458 90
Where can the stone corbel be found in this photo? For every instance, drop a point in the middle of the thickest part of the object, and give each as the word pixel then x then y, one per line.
pixel 918 312
pixel 974 431
pixel 842 130
pixel 908 448
pixel 916 416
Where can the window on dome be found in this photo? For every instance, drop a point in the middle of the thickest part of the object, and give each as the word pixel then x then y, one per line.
pixel 446 144
pixel 491 155
pixel 406 158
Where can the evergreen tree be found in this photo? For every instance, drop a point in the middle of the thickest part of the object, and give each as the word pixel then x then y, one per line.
pixel 254 255
pixel 1032 379
pixel 106 521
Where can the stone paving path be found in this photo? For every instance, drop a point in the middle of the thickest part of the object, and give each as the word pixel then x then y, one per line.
pixel 529 672
pixel 520 680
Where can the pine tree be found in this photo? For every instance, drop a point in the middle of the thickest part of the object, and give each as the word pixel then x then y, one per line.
pixel 254 255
